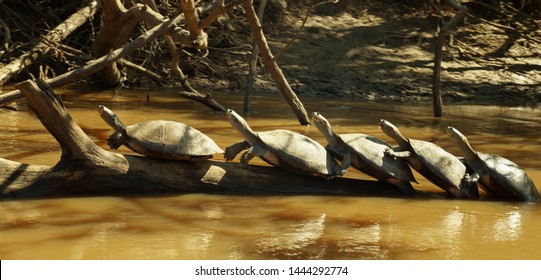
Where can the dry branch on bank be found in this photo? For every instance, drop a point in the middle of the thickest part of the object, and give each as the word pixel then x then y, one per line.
pixel 85 169
pixel 97 64
pixel 47 42
pixel 112 42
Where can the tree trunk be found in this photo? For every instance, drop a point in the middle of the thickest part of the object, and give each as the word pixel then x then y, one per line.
pixel 438 52
pixel 85 169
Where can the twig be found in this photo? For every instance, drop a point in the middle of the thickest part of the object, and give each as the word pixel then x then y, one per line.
pixel 507 28
pixel 253 63
pixel 7 35
pixel 146 72
pixel 219 9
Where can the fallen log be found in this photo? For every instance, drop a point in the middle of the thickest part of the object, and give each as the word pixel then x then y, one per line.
pixel 85 169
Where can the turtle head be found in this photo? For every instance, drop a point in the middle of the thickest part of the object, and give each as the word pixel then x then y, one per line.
pixel 387 127
pixel 325 128
pixel 111 119
pixel 456 135
pixel 392 131
pixel 319 120
pixel 462 142
pixel 240 124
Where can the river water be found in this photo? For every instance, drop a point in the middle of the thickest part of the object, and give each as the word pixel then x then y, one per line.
pixel 205 226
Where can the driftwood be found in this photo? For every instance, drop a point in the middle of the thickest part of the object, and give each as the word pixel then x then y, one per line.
pixel 85 169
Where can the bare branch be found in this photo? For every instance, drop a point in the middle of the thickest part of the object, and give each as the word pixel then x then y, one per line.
pixel 56 35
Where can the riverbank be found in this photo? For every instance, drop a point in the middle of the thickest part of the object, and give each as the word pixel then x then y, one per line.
pixel 385 52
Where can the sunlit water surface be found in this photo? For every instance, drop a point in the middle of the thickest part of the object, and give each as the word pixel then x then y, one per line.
pixel 206 226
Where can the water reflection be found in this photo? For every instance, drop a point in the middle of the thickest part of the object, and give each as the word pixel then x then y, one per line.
pixel 214 227
pixel 96 239
pixel 508 227
pixel 293 240
pixel 365 239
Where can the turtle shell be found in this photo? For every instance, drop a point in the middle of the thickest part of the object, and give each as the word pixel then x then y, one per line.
pixel 442 168
pixel 170 140
pixel 296 152
pixel 368 155
pixel 505 179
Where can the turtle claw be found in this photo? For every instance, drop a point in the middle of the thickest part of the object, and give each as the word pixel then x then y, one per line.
pixel 389 153
pixel 472 177
pixel 468 185
pixel 247 156
pixel 115 140
pixel 232 151
pixel 229 154
pixel 244 160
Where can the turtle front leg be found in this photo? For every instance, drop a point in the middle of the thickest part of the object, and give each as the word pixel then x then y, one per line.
pixel 396 154
pixel 250 154
pixel 346 162
pixel 468 185
pixel 115 140
pixel 232 151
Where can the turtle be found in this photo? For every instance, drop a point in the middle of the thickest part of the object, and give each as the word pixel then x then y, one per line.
pixel 497 175
pixel 285 149
pixel 433 162
pixel 367 155
pixel 160 139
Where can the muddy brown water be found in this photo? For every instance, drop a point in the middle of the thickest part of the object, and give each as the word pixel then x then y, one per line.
pixel 204 226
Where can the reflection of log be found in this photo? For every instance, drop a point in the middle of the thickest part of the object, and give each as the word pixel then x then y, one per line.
pixel 86 169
